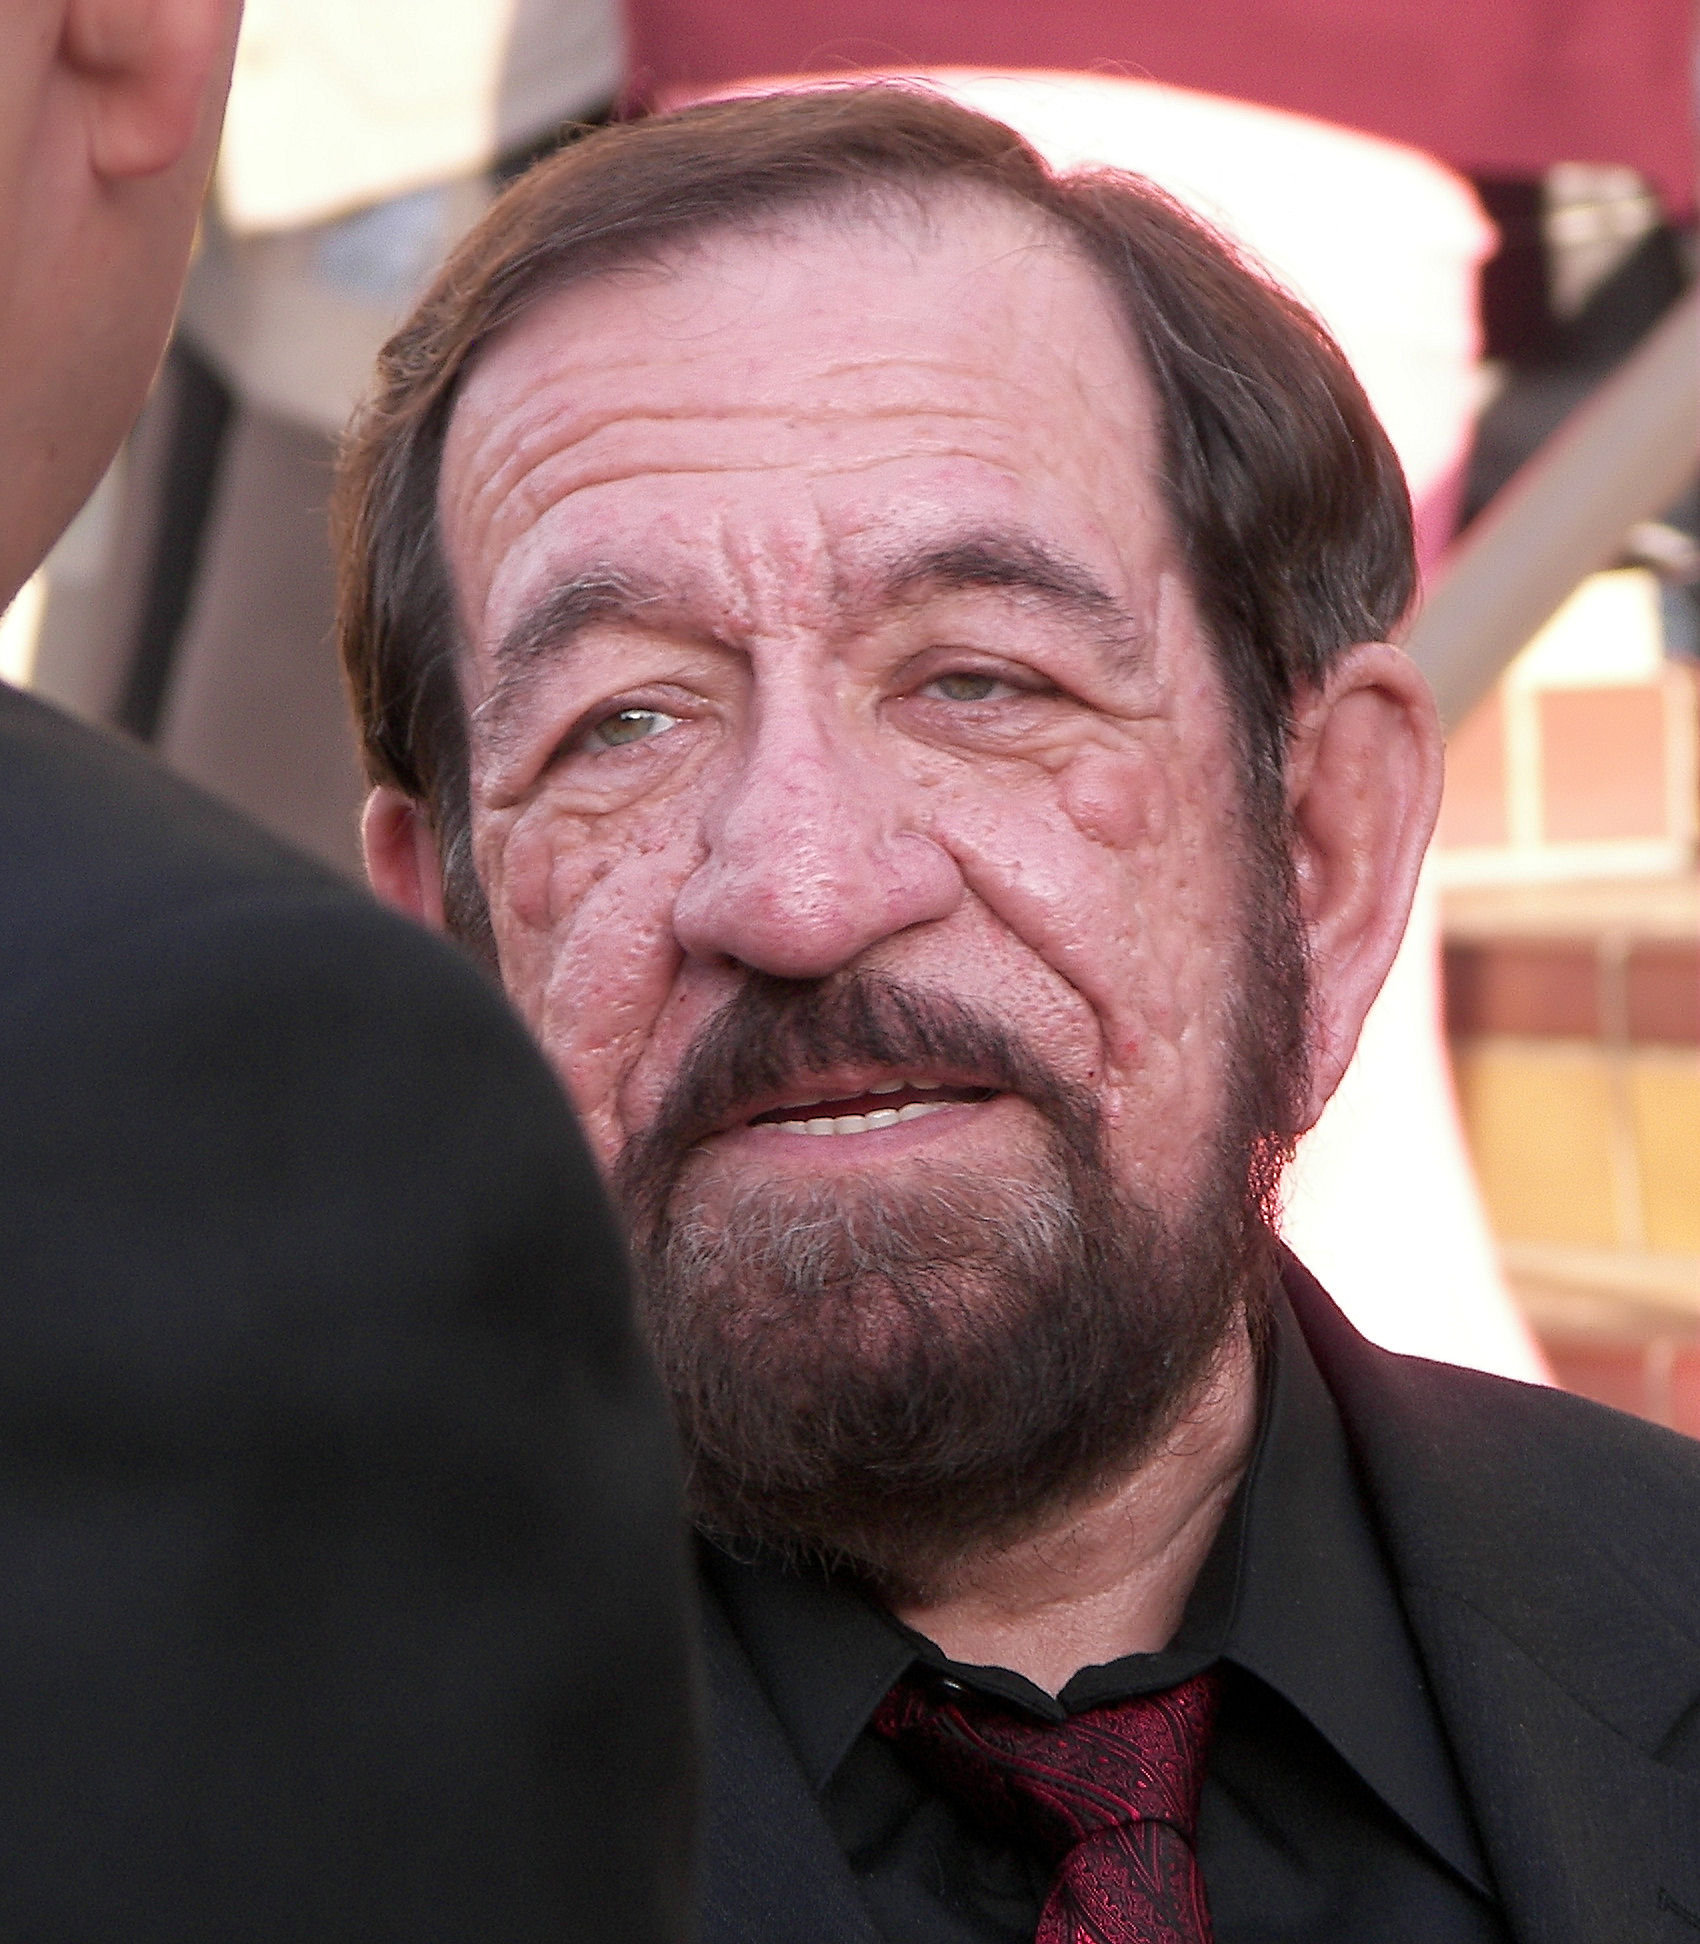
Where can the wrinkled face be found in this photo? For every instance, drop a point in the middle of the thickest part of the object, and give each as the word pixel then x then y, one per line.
pixel 824 617
pixel 856 801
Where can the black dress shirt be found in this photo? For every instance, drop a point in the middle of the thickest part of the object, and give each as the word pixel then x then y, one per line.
pixel 1332 1812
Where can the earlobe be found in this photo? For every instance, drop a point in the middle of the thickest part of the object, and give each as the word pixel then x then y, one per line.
pixel 1364 776
pixel 401 855
pixel 147 70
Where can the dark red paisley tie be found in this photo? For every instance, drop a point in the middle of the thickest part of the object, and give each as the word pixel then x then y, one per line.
pixel 1109 1796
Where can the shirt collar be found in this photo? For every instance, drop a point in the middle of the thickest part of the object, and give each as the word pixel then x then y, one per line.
pixel 1317 1617
pixel 1294 1590
pixel 823 1651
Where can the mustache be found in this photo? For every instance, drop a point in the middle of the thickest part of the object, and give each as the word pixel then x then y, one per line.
pixel 775 1030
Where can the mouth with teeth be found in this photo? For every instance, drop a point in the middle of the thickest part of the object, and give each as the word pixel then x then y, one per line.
pixel 888 1104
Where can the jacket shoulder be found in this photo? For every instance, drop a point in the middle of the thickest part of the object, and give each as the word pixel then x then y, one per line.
pixel 94 832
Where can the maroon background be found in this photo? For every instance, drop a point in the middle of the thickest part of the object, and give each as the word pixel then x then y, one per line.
pixel 1499 87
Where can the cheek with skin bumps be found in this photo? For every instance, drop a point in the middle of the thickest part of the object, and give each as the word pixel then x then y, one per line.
pixel 1115 927
pixel 581 918
pixel 524 855
pixel 1108 797
pixel 612 970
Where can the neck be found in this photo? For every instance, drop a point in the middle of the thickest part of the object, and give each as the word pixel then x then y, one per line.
pixel 1110 1576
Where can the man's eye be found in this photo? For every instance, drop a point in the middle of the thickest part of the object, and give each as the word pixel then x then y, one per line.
pixel 966 687
pixel 628 726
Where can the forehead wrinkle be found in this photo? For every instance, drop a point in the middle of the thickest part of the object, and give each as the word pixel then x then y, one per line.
pixel 527 479
pixel 532 496
pixel 534 499
pixel 587 421
pixel 526 440
pixel 825 466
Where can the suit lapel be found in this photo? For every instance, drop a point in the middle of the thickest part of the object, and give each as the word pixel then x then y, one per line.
pixel 774 1872
pixel 1589 1839
pixel 1548 1556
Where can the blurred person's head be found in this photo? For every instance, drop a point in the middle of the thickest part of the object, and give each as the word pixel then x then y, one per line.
pixel 884 647
pixel 109 118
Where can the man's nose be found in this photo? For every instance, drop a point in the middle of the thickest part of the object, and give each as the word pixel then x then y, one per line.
pixel 809 860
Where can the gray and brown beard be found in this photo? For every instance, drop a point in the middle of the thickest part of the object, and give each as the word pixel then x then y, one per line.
pixel 894 1377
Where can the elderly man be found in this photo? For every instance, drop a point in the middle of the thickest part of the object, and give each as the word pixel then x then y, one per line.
pixel 886 650
pixel 341 1586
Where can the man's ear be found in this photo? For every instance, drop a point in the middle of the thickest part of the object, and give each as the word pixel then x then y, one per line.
pixel 147 71
pixel 401 855
pixel 1363 788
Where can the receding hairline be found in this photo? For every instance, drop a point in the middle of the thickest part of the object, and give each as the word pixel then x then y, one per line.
pixel 881 202
pixel 923 206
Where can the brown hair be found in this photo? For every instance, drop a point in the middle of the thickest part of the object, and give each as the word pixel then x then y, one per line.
pixel 1286 498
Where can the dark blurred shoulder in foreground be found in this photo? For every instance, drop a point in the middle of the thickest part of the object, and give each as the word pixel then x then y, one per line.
pixel 343 1589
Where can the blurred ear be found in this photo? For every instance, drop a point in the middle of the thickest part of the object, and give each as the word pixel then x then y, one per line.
pixel 1364 776
pixel 146 70
pixel 401 855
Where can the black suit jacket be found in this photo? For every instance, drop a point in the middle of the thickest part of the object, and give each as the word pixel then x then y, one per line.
pixel 1548 1554
pixel 342 1592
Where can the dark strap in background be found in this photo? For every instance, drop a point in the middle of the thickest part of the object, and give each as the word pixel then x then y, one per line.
pixel 202 407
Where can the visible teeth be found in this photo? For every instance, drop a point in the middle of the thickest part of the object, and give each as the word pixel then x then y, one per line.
pixel 889 1086
pixel 841 1124
pixel 860 1123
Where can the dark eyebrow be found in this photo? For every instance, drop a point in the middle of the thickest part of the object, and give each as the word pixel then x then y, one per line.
pixel 1024 565
pixel 548 628
pixel 544 629
pixel 991 559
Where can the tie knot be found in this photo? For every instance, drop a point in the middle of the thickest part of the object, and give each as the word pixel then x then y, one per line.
pixel 1059 1783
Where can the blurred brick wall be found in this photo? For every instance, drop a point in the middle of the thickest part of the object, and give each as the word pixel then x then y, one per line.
pixel 1572 983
